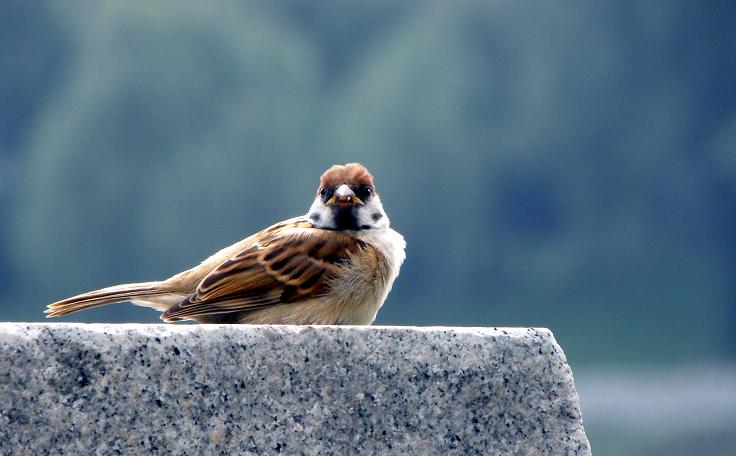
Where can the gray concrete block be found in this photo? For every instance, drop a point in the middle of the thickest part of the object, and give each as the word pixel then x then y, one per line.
pixel 155 389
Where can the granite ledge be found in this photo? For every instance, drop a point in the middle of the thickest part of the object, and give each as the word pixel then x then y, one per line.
pixel 210 389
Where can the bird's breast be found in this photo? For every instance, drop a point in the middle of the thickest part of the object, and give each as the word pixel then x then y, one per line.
pixel 367 278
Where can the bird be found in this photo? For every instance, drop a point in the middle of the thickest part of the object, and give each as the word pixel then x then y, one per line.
pixel 333 266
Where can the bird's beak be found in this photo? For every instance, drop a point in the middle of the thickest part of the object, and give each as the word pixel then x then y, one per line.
pixel 344 196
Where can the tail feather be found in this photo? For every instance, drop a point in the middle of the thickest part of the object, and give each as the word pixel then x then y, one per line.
pixel 103 296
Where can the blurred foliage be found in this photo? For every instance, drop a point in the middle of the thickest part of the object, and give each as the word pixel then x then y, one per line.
pixel 569 166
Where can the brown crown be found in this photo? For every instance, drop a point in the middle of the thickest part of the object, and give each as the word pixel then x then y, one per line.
pixel 353 174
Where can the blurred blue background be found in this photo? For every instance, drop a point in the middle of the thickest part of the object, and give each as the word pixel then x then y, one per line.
pixel 570 165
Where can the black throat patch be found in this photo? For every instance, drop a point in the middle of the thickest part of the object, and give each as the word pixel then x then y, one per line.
pixel 346 218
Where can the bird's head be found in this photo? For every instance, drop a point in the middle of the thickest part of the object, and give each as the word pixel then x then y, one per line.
pixel 346 199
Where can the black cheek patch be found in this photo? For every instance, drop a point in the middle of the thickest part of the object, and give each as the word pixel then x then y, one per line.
pixel 377 216
pixel 315 217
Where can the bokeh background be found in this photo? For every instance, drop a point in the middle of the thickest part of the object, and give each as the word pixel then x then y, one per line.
pixel 562 164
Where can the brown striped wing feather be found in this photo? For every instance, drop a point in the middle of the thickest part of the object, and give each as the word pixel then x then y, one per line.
pixel 289 263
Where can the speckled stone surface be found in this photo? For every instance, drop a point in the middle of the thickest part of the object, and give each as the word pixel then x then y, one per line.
pixel 265 390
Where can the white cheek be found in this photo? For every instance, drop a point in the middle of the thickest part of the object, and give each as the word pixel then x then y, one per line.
pixel 320 215
pixel 373 215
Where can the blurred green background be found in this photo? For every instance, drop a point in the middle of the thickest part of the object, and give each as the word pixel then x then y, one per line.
pixel 562 164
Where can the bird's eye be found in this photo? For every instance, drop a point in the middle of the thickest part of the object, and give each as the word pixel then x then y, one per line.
pixel 325 192
pixel 364 192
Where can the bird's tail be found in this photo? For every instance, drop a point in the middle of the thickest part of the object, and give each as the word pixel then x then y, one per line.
pixel 103 296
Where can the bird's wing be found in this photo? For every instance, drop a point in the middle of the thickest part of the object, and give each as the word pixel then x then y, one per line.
pixel 289 263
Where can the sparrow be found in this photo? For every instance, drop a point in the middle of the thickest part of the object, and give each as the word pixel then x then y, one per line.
pixel 333 266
